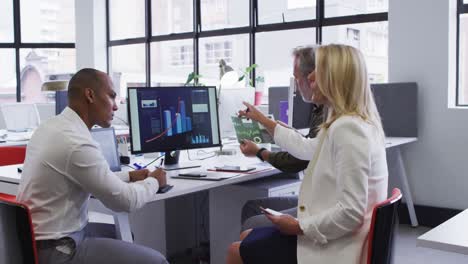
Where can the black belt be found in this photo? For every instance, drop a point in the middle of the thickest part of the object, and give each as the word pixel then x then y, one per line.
pixel 50 243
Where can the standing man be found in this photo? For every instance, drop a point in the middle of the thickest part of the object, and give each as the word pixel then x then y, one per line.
pixel 304 64
pixel 64 166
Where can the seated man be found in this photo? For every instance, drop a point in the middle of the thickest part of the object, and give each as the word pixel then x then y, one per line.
pixel 304 64
pixel 64 166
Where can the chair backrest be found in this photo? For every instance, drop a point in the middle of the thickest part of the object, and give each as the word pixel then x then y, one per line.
pixel 17 242
pixel 12 155
pixel 381 233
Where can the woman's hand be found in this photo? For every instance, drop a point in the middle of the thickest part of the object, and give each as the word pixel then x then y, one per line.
pixel 287 224
pixel 248 148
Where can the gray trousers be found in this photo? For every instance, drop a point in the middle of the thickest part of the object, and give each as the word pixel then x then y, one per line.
pixel 93 245
pixel 252 216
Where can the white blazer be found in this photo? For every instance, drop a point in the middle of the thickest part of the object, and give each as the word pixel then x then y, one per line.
pixel 337 196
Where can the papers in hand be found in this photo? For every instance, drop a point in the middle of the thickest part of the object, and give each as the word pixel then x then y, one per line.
pixel 251 130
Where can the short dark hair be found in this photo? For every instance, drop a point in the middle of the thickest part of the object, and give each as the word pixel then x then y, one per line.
pixel 84 78
pixel 306 59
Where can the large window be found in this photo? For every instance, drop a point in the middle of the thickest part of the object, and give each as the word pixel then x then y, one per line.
pixel 462 56
pixel 178 37
pixel 36 44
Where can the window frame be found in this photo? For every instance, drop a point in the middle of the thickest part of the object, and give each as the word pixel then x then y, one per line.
pixel 17 45
pixel 462 9
pixel 254 27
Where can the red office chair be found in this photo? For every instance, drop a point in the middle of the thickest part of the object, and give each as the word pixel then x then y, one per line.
pixel 12 155
pixel 381 233
pixel 17 242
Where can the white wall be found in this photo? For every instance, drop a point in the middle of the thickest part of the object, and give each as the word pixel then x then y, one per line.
pixel 420 50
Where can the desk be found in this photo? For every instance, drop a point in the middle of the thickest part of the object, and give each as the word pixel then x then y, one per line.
pixel 10 178
pixel 395 143
pixel 155 236
pixel 448 236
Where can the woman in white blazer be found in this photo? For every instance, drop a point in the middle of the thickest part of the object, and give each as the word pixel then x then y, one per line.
pixel 346 177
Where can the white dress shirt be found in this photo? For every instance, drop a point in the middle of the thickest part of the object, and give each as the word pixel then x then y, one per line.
pixel 63 166
pixel 337 196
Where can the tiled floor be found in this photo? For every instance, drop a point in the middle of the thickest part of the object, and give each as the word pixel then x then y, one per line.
pixel 406 251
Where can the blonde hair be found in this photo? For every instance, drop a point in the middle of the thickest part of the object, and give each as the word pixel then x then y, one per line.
pixel 341 75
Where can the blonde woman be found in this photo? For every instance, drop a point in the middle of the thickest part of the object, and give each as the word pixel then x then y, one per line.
pixel 346 177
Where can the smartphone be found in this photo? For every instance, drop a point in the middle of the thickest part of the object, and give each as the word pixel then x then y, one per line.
pixel 270 211
pixel 234 168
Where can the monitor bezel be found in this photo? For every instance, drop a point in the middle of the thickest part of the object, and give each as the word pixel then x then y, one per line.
pixel 132 150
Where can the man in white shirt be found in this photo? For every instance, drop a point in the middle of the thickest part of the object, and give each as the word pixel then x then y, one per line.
pixel 64 166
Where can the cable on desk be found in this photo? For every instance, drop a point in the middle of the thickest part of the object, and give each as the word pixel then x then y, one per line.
pixel 153 161
pixel 202 151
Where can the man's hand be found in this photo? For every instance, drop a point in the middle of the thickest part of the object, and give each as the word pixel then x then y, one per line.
pixel 138 175
pixel 248 148
pixel 287 224
pixel 254 114
pixel 160 175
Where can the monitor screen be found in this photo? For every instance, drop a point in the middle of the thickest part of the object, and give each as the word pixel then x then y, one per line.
pixel 172 118
pixel 298 115
pixel 301 112
pixel 105 137
pixel 277 97
pixel 61 101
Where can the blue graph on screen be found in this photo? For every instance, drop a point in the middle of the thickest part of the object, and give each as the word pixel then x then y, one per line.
pixel 176 122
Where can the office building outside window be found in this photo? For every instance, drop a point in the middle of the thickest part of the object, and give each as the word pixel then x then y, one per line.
pixel 182 55
pixel 370 38
pixel 171 62
pixel 242 32
pixel 43 50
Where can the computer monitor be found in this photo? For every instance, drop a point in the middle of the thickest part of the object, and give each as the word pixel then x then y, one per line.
pixel 20 116
pixel 230 102
pixel 277 97
pixel 398 107
pixel 61 101
pixel 289 107
pixel 300 114
pixel 164 119
pixel 105 137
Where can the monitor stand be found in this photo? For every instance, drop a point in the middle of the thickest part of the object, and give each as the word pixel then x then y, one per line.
pixel 171 162
pixel 171 157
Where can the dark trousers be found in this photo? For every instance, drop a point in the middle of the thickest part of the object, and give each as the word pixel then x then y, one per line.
pixel 95 244
pixel 252 216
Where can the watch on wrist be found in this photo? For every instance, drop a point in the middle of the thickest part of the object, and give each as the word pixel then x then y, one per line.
pixel 259 153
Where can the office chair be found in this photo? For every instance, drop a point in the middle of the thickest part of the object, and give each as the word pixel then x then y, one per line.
pixel 12 155
pixel 17 241
pixel 381 233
